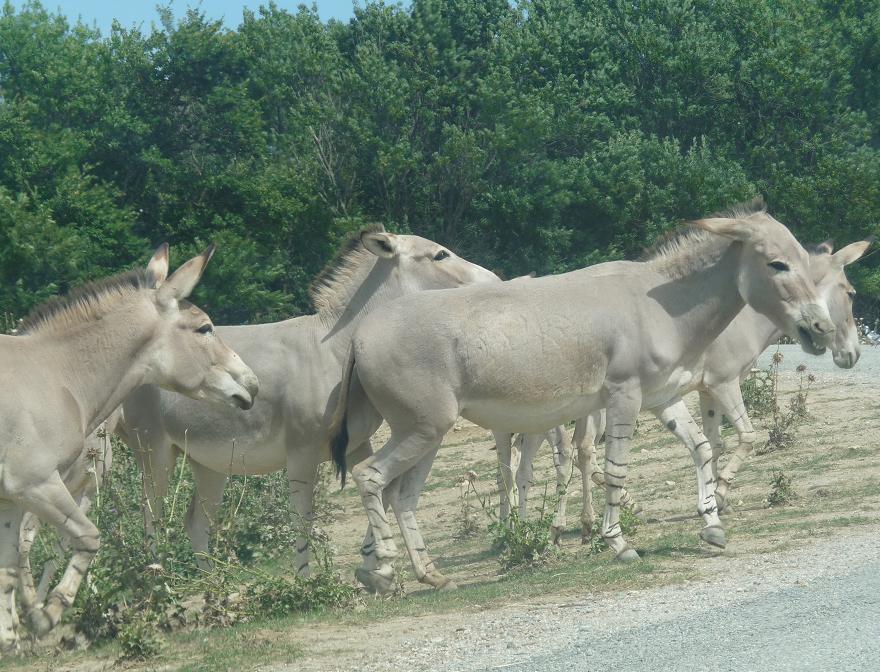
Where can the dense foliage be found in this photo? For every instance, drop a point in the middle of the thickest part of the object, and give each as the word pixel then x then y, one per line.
pixel 538 135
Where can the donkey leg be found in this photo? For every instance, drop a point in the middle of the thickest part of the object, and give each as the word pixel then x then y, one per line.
pixel 528 447
pixel 563 463
pixel 207 498
pixel 30 527
pixel 369 562
pixel 52 502
pixel 156 457
pixel 405 448
pixel 10 524
pixel 405 503
pixel 302 474
pixel 711 413
pixel 50 569
pixel 598 475
pixel 680 422
pixel 506 468
pixel 584 440
pixel 729 397
pixel 622 412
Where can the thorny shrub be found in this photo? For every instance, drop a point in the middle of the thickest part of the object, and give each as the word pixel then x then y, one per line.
pixel 784 421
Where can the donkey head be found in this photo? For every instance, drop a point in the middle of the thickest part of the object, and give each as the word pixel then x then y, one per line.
pixel 775 278
pixel 188 356
pixel 829 273
pixel 423 264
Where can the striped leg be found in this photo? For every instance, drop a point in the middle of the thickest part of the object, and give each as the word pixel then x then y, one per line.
pixel 30 527
pixel 586 433
pixel 679 421
pixel 201 516
pixel 10 523
pixel 404 499
pixel 561 443
pixel 730 402
pixel 404 450
pixel 597 420
pixel 50 569
pixel 52 503
pixel 623 410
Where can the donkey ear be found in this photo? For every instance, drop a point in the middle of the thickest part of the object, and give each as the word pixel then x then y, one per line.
pixel 825 247
pixel 380 243
pixel 184 280
pixel 724 226
pixel 157 269
pixel 853 252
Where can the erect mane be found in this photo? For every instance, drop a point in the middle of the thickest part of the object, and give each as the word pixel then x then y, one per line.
pixel 744 210
pixel 84 303
pixel 688 248
pixel 333 286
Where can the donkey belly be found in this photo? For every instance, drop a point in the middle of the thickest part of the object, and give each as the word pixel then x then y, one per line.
pixel 248 455
pixel 223 439
pixel 517 416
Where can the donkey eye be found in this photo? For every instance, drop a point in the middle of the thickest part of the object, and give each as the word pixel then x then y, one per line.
pixel 778 265
pixel 205 329
pixel 851 294
pixel 441 255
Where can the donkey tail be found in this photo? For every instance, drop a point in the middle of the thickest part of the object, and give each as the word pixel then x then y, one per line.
pixel 339 421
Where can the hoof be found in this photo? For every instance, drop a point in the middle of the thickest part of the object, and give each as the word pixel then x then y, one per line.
pixel 714 535
pixel 556 535
pixel 376 581
pixel 627 555
pixel 589 529
pixel 39 622
pixel 438 581
pixel 449 585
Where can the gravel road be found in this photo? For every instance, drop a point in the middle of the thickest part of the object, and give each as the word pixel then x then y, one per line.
pixel 810 609
pixel 814 608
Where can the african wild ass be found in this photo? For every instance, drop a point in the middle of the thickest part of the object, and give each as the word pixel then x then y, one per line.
pixel 300 363
pixel 73 362
pixel 524 356
pixel 717 377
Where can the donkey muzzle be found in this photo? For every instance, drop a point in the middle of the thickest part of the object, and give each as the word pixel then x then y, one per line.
pixel 815 329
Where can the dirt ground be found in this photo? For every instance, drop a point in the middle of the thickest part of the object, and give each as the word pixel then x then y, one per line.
pixel 833 465
pixel 835 475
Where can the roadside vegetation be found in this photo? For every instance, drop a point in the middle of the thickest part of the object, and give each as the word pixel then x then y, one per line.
pixel 531 136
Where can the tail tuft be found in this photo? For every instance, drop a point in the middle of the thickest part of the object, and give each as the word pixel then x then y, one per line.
pixel 339 423
pixel 339 450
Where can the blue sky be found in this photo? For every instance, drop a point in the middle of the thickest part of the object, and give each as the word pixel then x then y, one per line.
pixel 128 12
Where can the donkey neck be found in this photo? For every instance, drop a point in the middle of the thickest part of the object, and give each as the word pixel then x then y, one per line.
pixel 750 333
pixel 377 285
pixel 100 362
pixel 705 301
